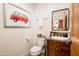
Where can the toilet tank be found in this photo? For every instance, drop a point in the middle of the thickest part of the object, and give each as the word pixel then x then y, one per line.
pixel 40 42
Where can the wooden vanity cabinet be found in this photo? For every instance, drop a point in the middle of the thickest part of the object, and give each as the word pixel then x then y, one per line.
pixel 58 48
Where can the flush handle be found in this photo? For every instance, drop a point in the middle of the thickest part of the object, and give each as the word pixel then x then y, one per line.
pixel 27 39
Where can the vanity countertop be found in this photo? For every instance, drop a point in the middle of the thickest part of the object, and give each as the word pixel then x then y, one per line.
pixel 63 39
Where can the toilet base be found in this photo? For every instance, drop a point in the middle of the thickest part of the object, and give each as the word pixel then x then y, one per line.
pixel 36 55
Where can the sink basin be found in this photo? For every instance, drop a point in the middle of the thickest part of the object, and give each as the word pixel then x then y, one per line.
pixel 59 38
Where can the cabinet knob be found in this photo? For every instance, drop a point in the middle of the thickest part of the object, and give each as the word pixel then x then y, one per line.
pixel 56 48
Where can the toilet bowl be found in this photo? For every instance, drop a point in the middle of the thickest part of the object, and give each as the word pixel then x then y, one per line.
pixel 37 49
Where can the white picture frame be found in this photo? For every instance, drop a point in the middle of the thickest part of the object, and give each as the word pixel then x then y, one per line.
pixel 16 17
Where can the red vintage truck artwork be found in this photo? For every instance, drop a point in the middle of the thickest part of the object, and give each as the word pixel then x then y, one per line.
pixel 16 16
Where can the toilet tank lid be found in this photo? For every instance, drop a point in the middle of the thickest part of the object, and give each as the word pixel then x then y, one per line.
pixel 35 48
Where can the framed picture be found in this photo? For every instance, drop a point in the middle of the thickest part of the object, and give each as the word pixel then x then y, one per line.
pixel 60 20
pixel 16 17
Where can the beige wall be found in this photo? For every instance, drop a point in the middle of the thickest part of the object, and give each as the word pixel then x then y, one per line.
pixel 12 40
pixel 43 12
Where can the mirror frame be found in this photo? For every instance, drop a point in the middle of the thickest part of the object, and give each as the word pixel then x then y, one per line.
pixel 68 19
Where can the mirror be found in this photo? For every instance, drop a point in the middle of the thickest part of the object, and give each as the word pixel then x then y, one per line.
pixel 60 20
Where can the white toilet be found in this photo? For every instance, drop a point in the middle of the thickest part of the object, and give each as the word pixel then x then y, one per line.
pixel 37 49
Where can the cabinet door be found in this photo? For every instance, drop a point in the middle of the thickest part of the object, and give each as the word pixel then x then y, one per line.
pixel 50 51
pixel 64 52
pixel 51 47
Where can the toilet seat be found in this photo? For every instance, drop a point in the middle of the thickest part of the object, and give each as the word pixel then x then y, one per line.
pixel 36 50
